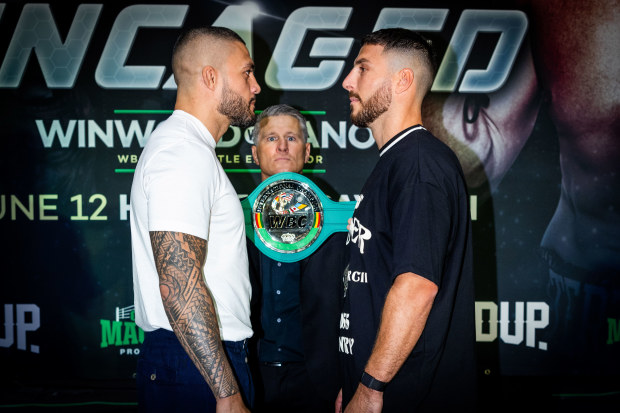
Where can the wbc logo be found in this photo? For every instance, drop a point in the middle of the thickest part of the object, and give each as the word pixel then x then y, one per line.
pixel 288 216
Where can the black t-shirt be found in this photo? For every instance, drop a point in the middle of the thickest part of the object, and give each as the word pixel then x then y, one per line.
pixel 413 216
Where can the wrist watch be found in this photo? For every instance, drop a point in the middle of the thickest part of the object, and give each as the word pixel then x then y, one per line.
pixel 372 383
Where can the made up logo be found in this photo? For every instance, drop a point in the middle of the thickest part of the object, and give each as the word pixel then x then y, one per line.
pixel 19 320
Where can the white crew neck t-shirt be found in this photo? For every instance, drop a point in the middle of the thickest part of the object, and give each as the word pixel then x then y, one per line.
pixel 180 186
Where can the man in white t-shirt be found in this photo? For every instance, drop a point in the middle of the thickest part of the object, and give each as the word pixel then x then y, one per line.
pixel 190 268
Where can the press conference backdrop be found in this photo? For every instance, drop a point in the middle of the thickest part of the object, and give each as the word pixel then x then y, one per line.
pixel 82 86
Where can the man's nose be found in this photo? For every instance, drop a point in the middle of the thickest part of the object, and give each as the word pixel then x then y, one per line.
pixel 254 86
pixel 347 83
pixel 283 145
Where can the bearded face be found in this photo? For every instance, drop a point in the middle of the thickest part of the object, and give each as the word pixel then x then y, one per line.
pixel 236 109
pixel 373 107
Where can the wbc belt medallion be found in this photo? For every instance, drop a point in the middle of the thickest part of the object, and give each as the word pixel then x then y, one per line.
pixel 288 217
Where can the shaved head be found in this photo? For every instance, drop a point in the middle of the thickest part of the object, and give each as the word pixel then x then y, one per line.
pixel 200 47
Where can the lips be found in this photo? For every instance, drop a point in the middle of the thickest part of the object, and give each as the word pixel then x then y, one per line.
pixel 354 98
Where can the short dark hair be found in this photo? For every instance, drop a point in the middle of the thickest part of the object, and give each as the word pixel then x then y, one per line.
pixel 280 110
pixel 190 34
pixel 406 42
pixel 220 33
pixel 403 40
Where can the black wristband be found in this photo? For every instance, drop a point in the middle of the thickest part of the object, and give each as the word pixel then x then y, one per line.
pixel 372 383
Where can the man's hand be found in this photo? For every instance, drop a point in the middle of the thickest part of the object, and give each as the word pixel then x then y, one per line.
pixel 231 404
pixel 365 400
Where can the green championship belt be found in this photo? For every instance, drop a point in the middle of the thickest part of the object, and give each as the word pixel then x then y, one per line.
pixel 288 217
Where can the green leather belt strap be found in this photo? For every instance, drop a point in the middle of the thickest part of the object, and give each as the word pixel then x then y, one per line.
pixel 288 217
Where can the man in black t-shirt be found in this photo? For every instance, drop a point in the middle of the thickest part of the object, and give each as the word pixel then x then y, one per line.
pixel 407 331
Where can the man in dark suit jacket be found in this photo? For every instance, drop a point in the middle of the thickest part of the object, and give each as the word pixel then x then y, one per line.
pixel 295 306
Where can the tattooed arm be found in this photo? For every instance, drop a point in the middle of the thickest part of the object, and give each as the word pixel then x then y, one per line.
pixel 179 259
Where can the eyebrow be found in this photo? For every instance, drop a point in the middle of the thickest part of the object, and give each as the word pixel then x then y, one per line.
pixel 361 60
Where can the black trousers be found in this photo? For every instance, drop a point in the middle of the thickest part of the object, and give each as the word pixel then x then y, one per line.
pixel 288 388
pixel 168 381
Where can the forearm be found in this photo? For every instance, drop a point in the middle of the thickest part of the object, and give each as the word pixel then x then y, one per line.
pixel 404 316
pixel 190 309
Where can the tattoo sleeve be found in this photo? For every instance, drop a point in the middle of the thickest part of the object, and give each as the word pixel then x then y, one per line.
pixel 179 259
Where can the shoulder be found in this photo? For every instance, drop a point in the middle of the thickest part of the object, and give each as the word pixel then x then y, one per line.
pixel 181 164
pixel 422 158
pixel 182 157
pixel 430 142
pixel 423 142
pixel 174 146
pixel 426 150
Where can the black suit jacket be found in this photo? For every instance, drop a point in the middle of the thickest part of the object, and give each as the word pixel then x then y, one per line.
pixel 321 298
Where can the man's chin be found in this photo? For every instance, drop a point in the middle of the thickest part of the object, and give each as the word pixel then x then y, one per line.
pixel 355 118
pixel 243 123
pixel 288 168
pixel 356 121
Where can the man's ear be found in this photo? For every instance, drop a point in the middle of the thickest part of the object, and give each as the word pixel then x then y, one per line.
pixel 209 77
pixel 254 155
pixel 307 152
pixel 404 80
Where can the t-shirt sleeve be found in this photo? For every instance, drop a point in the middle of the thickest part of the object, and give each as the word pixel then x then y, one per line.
pixel 420 220
pixel 180 189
